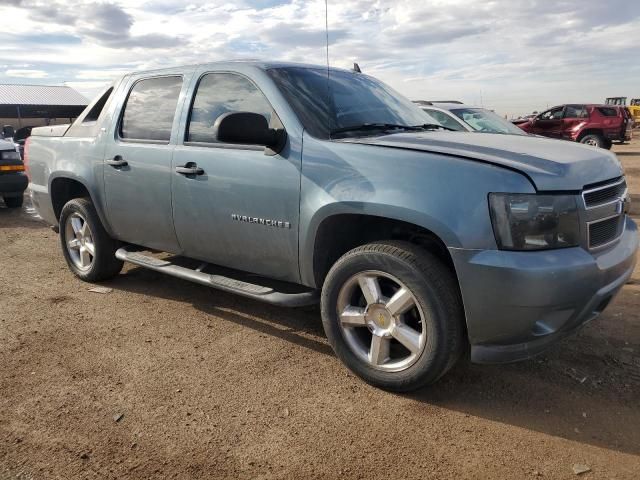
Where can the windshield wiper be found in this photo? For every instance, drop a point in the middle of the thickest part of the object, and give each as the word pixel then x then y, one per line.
pixel 374 126
pixel 433 126
pixel 388 126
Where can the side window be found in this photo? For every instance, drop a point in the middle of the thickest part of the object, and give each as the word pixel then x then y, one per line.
pixel 219 93
pixel 575 111
pixel 150 108
pixel 444 119
pixel 553 114
pixel 608 111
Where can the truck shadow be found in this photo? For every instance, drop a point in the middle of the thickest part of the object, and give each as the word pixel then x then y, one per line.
pixel 577 391
pixel 300 326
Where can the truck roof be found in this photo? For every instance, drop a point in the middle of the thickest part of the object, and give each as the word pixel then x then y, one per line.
pixel 262 64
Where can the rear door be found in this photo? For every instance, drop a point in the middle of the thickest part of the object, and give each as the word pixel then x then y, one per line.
pixel 242 210
pixel 137 163
pixel 573 115
pixel 549 123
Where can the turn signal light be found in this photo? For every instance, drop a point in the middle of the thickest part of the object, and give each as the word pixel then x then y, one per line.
pixel 11 168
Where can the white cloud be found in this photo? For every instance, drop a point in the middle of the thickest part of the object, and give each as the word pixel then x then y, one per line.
pixel 26 73
pixel 517 55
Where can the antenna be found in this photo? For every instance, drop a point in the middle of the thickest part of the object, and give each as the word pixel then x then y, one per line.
pixel 326 27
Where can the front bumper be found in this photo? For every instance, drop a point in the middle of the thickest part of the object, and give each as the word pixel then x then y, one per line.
pixel 518 303
pixel 13 183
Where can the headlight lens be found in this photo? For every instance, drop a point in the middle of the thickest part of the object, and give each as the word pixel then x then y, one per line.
pixel 534 222
pixel 9 155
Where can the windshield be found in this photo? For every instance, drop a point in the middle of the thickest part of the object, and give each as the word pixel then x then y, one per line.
pixel 486 121
pixel 346 100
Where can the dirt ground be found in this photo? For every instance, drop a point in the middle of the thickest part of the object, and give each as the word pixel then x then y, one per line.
pixel 161 378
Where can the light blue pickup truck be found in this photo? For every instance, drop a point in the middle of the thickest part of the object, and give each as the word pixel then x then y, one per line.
pixel 294 184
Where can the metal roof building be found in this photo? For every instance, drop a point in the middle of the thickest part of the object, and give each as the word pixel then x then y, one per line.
pixel 40 101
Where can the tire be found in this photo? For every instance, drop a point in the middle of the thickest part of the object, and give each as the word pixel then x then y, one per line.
pixel 432 310
pixel 14 202
pixel 593 139
pixel 608 144
pixel 79 215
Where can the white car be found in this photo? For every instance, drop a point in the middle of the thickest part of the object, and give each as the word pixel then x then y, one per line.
pixel 458 116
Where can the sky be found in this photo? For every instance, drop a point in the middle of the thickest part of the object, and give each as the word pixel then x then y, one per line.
pixel 513 56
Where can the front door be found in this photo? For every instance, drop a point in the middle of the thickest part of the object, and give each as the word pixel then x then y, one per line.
pixel 549 123
pixel 137 165
pixel 241 209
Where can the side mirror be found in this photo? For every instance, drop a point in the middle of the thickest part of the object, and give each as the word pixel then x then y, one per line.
pixel 245 128
pixel 8 131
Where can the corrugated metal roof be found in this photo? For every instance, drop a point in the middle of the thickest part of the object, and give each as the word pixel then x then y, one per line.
pixel 13 94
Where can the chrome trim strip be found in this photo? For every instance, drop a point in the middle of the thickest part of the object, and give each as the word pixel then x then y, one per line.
pixel 603 187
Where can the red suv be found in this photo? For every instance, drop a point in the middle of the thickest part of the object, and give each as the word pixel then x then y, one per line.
pixel 596 125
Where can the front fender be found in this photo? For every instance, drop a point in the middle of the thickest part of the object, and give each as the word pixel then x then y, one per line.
pixel 444 194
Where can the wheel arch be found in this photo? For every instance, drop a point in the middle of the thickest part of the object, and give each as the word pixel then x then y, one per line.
pixel 66 186
pixel 590 131
pixel 336 229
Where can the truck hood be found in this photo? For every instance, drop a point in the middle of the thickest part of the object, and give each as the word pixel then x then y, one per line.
pixel 550 164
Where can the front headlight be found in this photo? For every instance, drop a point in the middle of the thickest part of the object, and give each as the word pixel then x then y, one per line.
pixel 534 222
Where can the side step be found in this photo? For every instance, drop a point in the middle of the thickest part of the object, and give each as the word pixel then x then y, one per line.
pixel 228 284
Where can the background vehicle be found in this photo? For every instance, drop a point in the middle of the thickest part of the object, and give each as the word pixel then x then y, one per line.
pixel 20 138
pixel 458 116
pixel 633 108
pixel 284 184
pixel 617 101
pixel 13 181
pixel 595 125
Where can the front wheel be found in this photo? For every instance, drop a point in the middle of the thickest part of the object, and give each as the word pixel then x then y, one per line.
pixel 392 313
pixel 87 247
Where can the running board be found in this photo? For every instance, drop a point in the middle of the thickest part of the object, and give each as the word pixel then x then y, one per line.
pixel 228 284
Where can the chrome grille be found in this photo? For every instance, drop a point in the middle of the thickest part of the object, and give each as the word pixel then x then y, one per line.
pixel 604 194
pixel 605 231
pixel 605 216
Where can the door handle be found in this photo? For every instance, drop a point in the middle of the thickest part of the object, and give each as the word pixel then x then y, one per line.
pixel 117 161
pixel 192 169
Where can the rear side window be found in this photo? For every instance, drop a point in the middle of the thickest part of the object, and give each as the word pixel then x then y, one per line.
pixel 575 111
pixel 150 109
pixel 608 111
pixel 217 94
pixel 96 110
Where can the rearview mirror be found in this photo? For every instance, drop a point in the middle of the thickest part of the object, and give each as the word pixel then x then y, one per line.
pixel 245 128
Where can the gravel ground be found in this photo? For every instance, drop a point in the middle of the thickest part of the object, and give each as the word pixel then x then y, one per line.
pixel 161 378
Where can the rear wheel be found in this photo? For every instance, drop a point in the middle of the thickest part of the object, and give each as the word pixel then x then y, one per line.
pixel 594 140
pixel 13 202
pixel 87 247
pixel 393 315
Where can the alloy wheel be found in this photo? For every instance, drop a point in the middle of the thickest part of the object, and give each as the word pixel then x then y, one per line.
pixel 80 244
pixel 381 321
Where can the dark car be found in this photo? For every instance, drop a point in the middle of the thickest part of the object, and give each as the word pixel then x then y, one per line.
pixel 21 138
pixel 13 180
pixel 595 125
